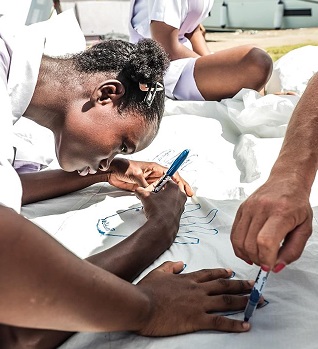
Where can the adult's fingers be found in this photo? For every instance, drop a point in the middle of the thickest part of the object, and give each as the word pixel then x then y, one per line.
pixel 269 241
pixel 239 231
pixel 250 246
pixel 257 236
pixel 293 245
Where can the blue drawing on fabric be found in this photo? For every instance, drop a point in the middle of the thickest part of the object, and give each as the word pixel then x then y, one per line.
pixel 167 157
pixel 106 226
pixel 193 221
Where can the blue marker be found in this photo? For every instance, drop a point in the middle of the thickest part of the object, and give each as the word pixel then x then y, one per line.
pixel 256 294
pixel 172 170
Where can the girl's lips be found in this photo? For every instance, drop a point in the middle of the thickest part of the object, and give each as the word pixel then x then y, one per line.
pixel 84 171
pixel 91 171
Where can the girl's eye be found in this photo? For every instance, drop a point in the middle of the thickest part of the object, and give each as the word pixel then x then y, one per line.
pixel 124 148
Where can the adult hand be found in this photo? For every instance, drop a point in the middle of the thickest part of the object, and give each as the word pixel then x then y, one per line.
pixel 129 174
pixel 186 303
pixel 272 226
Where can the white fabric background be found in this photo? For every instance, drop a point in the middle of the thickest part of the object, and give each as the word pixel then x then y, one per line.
pixel 233 144
pixel 293 71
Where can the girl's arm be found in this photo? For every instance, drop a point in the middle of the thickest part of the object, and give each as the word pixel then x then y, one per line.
pixel 198 42
pixel 167 36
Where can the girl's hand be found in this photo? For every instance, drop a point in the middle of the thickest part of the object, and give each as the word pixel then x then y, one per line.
pixel 183 303
pixel 129 175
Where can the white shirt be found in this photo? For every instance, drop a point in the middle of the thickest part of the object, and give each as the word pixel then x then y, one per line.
pixel 185 15
pixel 17 82
pixel 21 50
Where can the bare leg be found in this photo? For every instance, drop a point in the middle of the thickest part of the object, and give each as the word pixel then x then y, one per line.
pixel 224 73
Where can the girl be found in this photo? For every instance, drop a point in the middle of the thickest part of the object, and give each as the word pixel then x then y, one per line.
pixel 105 101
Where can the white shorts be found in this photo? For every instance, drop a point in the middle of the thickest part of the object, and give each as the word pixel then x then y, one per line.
pixel 179 81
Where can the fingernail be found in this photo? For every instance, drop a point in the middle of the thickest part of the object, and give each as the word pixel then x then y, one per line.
pixel 231 272
pixel 184 266
pixel 246 325
pixel 265 267
pixel 251 282
pixel 279 267
pixel 263 304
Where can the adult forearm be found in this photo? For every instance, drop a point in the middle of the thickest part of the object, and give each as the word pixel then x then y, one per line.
pixel 42 285
pixel 299 153
pixel 48 184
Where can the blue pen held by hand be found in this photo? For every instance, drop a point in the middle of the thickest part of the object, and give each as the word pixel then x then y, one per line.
pixel 172 170
pixel 256 293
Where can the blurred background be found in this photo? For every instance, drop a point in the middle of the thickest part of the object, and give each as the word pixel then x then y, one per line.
pixel 277 26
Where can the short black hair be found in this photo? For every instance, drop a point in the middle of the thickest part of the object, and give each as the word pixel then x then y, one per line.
pixel 143 62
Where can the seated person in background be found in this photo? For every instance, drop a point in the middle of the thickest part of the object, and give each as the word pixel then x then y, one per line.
pixel 104 101
pixel 195 73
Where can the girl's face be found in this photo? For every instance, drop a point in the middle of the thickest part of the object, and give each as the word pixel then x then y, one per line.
pixel 90 139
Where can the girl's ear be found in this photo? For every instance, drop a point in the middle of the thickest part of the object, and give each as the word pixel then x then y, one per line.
pixel 107 91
